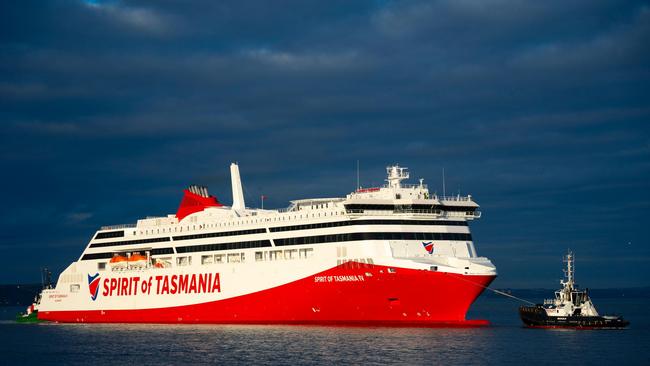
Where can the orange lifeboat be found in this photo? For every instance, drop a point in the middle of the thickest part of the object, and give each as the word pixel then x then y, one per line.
pixel 118 261
pixel 137 260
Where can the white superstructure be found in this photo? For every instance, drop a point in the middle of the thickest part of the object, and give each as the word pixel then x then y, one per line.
pixel 569 300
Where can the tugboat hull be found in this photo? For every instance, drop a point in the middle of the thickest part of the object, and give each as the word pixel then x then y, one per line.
pixel 536 317
pixel 28 318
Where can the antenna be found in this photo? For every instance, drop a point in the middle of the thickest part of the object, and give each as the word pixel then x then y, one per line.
pixel 570 269
pixel 358 175
pixel 444 192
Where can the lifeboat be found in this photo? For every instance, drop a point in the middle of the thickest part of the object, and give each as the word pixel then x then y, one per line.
pixel 137 260
pixel 118 261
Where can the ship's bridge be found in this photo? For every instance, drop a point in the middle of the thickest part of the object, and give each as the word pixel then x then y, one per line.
pixel 395 197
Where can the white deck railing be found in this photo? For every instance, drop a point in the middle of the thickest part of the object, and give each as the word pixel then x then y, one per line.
pixel 115 227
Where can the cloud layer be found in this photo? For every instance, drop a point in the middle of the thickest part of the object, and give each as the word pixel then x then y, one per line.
pixel 540 110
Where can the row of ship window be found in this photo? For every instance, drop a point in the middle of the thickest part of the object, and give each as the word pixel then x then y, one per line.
pixel 367 222
pixel 277 229
pixel 319 239
pixel 372 236
pixel 220 234
pixel 407 208
pixel 106 255
pixel 267 255
pixel 130 242
pixel 270 255
pixel 224 246
pixel 110 234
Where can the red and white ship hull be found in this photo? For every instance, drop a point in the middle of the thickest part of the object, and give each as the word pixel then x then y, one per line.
pixel 371 294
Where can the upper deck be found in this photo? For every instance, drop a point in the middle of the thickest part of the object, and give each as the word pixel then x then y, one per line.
pixel 383 212
pixel 393 199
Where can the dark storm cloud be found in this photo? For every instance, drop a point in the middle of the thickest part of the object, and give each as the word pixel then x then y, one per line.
pixel 539 109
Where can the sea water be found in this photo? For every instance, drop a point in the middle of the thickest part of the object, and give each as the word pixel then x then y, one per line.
pixel 504 342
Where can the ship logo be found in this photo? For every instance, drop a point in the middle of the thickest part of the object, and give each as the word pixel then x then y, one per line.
pixel 93 286
pixel 428 247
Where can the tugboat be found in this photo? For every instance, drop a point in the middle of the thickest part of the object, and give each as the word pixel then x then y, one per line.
pixel 31 313
pixel 571 308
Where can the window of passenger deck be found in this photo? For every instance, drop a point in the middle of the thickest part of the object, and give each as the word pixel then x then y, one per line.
pixel 275 255
pixel 291 254
pixel 183 261
pixel 234 258
pixel 305 253
pixel 259 256
pixel 207 259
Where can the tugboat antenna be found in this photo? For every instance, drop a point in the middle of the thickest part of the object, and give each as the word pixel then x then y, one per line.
pixel 570 269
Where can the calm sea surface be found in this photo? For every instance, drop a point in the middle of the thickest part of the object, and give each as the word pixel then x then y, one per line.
pixel 505 342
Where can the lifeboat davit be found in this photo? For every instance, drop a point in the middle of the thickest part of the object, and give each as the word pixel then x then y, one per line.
pixel 118 261
pixel 137 260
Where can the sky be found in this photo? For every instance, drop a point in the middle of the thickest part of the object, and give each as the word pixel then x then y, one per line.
pixel 539 109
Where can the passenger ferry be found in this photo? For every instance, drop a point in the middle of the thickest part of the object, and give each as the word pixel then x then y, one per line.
pixel 391 255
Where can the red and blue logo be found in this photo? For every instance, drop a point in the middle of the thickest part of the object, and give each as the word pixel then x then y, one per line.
pixel 428 247
pixel 93 286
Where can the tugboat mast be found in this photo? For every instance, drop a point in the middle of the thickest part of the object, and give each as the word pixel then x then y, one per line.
pixel 569 271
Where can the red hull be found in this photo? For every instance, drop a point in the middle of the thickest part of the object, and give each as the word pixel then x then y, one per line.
pixel 406 297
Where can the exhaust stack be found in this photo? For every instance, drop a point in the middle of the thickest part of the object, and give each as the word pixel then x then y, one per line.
pixel 237 191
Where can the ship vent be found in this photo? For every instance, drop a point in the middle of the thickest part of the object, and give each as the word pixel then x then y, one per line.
pixel 199 190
